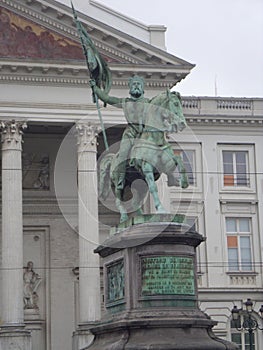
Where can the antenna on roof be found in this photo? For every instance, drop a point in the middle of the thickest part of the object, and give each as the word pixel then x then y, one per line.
pixel 216 85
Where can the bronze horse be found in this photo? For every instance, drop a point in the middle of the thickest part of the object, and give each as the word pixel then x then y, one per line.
pixel 150 156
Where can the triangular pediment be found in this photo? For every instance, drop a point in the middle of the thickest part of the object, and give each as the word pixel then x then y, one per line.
pixel 25 39
pixel 35 31
pixel 22 38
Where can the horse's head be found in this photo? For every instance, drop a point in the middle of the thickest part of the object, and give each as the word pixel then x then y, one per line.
pixel 175 108
pixel 167 112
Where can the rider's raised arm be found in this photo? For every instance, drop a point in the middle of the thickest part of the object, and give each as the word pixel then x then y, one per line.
pixel 115 101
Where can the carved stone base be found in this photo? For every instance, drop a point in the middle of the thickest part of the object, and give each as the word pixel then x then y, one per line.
pixel 31 314
pixel 157 336
pixel 151 295
pixel 82 338
pixel 15 338
pixel 37 327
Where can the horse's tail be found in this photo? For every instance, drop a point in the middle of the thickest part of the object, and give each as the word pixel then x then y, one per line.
pixel 104 176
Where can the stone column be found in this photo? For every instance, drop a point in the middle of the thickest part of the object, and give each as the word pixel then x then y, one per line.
pixel 12 331
pixel 89 272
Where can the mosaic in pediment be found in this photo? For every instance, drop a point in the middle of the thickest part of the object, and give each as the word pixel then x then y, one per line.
pixel 22 38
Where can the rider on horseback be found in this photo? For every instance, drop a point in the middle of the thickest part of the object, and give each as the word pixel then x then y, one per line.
pixel 135 110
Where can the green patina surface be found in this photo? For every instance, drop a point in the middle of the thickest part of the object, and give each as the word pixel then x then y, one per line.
pixel 144 152
pixel 115 282
pixel 169 303
pixel 167 275
pixel 142 219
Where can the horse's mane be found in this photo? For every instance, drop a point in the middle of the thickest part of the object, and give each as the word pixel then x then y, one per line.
pixel 163 98
pixel 165 112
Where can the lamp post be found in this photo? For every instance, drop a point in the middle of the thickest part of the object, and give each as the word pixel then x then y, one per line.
pixel 249 323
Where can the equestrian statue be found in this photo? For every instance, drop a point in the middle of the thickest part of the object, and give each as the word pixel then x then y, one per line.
pixel 144 153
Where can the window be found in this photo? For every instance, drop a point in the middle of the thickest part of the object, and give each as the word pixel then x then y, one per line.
pixel 238 232
pixel 236 165
pixel 188 157
pixel 241 338
pixel 235 168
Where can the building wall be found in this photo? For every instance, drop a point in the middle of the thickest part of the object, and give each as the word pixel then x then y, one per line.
pixel 50 232
pixel 54 254
pixel 211 202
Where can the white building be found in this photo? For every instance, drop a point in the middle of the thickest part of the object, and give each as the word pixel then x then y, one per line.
pixel 44 84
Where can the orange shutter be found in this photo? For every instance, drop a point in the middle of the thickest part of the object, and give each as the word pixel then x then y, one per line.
pixel 228 180
pixel 232 241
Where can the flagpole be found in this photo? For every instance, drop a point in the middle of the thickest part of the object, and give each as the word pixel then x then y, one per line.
pixel 101 121
pixel 94 95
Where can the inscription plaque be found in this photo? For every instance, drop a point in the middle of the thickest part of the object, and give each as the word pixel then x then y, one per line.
pixel 115 281
pixel 167 275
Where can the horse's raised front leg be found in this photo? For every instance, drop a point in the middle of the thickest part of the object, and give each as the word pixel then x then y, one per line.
pixel 149 177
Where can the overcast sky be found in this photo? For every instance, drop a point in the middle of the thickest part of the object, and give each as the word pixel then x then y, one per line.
pixel 224 38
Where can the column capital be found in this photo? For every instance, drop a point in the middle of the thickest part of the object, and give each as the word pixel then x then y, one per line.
pixel 11 134
pixel 87 136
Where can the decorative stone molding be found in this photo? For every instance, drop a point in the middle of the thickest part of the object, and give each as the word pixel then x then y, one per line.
pixel 110 50
pixel 76 74
pixel 190 103
pixel 39 79
pixel 226 121
pixel 246 206
pixel 234 104
pixel 87 136
pixel 25 10
pixel 36 206
pixel 242 280
pixel 12 132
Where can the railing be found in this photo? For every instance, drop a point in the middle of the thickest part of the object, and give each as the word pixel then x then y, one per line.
pixel 223 106
pixel 190 103
pixel 234 104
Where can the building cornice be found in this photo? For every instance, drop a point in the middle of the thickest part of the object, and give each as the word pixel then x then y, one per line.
pixel 76 74
pixel 228 121
pixel 197 116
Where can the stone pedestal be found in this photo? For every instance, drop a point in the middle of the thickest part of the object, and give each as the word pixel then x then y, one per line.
pixel 82 337
pixel 151 291
pixel 15 338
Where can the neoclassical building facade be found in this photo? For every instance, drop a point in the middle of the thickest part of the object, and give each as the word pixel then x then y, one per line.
pixel 51 222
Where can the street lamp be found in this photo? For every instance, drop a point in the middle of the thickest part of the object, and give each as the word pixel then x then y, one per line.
pixel 249 323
